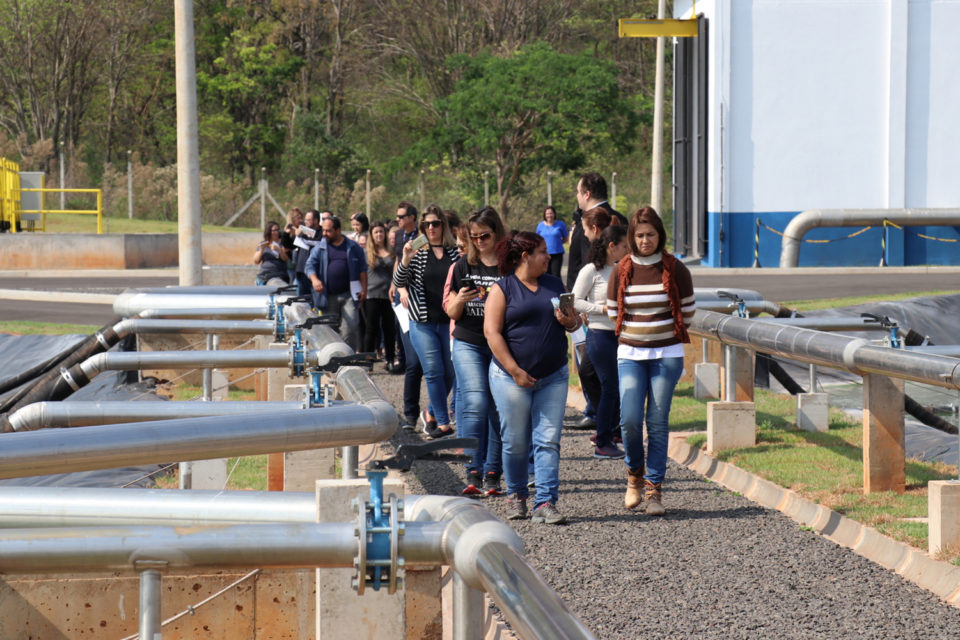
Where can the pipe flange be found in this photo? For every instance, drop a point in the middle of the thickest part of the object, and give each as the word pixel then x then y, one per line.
pixel 396 530
pixel 359 579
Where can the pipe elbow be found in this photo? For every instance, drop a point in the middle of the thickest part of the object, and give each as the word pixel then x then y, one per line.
pixel 94 365
pixel 28 418
pixel 385 419
pixel 473 541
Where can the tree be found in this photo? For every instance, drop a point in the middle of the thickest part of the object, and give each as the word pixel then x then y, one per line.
pixel 536 109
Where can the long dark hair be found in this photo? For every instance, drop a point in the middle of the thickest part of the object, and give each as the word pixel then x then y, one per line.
pixel 511 250
pixel 485 217
pixel 598 248
pixel 268 230
pixel 645 215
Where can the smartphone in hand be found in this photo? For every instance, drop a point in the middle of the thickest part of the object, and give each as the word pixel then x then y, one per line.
pixel 566 303
pixel 467 281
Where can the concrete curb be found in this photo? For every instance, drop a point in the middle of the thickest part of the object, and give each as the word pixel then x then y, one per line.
pixel 57 296
pixel 940 578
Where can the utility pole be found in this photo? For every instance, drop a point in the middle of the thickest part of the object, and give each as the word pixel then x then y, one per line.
pixel 656 180
pixel 188 154
pixel 129 184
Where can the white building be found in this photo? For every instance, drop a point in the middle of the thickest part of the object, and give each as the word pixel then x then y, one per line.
pixel 819 104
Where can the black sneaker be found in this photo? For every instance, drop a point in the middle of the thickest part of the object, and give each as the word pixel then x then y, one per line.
pixel 426 422
pixel 408 423
pixel 516 507
pixel 548 513
pixel 474 484
pixel 608 452
pixel 491 484
pixel 437 433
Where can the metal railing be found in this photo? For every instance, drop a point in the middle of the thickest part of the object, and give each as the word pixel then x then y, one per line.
pixel 98 211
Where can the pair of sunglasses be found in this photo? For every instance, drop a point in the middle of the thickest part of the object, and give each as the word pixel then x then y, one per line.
pixel 432 223
pixel 481 236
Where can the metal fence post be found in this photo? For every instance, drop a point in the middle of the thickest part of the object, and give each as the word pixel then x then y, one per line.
pixel 421 189
pixel 130 184
pixel 549 188
pixel 263 197
pixel 486 188
pixel 368 194
pixel 613 190
pixel 316 189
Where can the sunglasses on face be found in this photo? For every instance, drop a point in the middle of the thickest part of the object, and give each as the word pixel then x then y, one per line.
pixel 402 216
pixel 432 223
pixel 481 237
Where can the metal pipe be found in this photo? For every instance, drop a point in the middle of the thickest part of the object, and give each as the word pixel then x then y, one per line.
pixel 468 608
pixel 211 313
pixel 49 451
pixel 132 302
pixel 208 374
pixel 730 373
pixel 150 619
pixel 827 323
pixel 188 154
pixel 83 507
pixel 81 549
pixel 813 378
pixel 804 221
pixel 839 352
pixel 233 327
pixel 349 457
pixel 77 413
pixel 939 349
pixel 137 361
pixel 487 554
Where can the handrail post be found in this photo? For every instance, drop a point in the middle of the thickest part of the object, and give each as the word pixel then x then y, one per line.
pixel 468 608
pixel 150 605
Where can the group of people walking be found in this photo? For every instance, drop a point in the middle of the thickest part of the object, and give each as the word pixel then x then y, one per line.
pixel 481 321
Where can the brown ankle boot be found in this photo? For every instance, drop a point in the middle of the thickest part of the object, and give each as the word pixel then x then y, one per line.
pixel 654 506
pixel 634 495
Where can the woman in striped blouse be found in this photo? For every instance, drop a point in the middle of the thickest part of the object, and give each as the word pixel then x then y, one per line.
pixel 650 298
pixel 423 273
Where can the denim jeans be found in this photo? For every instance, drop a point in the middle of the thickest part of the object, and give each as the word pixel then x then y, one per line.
pixel 602 347
pixel 431 340
pixel 477 415
pixel 646 390
pixel 531 413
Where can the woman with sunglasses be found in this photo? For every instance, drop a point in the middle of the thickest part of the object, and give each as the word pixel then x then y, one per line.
pixel 528 372
pixel 477 416
pixel 271 256
pixel 423 272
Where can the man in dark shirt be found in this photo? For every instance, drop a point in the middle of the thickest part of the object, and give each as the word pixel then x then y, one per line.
pixel 337 268
pixel 408 360
pixel 591 192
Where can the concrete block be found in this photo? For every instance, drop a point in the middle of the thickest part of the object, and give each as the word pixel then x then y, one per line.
pixel 766 493
pixel 730 425
pixel 230 276
pixel 879 548
pixel 220 382
pixel 733 477
pixel 209 474
pixel 813 411
pixel 939 577
pixel 706 381
pixel 423 609
pixel 943 512
pixel 295 393
pixel 301 469
pixel 884 460
pixel 341 614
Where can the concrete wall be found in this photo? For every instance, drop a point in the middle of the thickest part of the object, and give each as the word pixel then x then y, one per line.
pixel 270 604
pixel 118 251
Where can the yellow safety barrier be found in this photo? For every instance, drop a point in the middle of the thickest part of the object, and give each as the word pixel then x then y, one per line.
pixel 43 212
pixel 917 233
pixel 9 195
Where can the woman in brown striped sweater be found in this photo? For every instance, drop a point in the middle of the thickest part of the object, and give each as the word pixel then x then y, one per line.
pixel 650 298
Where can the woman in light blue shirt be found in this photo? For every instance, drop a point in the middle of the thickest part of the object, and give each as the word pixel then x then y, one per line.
pixel 554 232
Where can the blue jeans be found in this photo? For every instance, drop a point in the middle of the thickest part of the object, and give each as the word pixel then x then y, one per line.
pixel 646 388
pixel 477 415
pixel 431 340
pixel 531 413
pixel 602 347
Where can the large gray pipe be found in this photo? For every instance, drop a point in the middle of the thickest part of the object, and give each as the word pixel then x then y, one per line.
pixel 83 413
pixel 132 302
pixel 816 347
pixel 487 554
pixel 250 545
pixel 221 327
pixel 49 451
pixel 235 313
pixel 805 221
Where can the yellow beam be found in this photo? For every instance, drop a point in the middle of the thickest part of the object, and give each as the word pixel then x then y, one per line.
pixel 640 28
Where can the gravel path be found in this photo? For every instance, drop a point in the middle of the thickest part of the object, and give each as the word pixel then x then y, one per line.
pixel 717 566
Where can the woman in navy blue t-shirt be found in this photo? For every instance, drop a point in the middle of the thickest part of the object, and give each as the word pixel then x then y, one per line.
pixel 528 374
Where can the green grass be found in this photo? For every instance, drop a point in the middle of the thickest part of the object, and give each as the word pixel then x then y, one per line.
pixel 182 392
pixel 825 467
pixel 248 473
pixel 831 303
pixel 73 223
pixel 28 327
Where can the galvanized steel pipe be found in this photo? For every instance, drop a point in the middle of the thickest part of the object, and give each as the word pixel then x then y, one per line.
pixel 150 619
pixel 133 302
pixel 805 221
pixel 225 327
pixel 76 413
pixel 839 352
pixel 49 451
pixel 211 313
